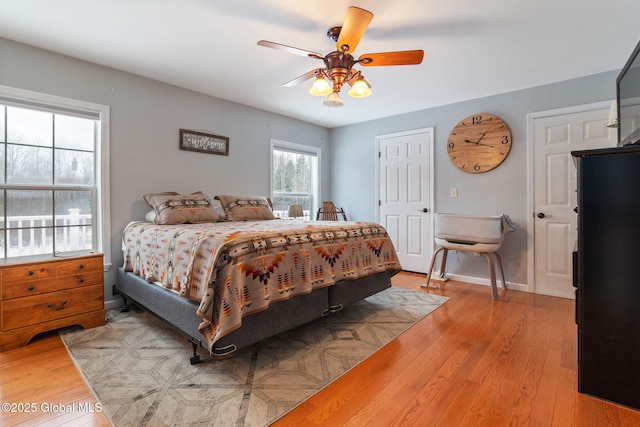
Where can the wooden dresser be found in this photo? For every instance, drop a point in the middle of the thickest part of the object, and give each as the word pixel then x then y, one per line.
pixel 45 295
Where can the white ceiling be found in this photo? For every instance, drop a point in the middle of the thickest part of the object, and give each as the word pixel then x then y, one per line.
pixel 472 48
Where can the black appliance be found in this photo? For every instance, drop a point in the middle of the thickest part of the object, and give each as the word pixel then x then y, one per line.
pixel 607 274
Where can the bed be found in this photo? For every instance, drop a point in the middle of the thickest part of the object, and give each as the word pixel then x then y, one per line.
pixel 226 283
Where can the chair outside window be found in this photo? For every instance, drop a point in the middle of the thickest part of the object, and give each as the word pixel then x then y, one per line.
pixel 295 211
pixel 329 212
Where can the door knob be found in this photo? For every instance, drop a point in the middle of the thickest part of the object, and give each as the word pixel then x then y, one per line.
pixel 424 210
pixel 541 215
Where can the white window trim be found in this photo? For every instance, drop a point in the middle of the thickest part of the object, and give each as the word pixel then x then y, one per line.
pixel 301 148
pixel 102 174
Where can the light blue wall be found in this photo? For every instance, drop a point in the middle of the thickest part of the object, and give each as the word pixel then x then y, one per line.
pixel 146 116
pixel 502 190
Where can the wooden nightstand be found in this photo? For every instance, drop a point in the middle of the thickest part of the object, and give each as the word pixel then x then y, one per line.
pixel 50 294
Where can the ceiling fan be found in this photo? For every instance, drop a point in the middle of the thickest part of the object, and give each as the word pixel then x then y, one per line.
pixel 338 65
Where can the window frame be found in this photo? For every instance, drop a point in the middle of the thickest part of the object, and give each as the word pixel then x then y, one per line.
pixel 57 104
pixel 310 150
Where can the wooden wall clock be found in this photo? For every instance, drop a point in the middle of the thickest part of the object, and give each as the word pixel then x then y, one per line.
pixel 479 143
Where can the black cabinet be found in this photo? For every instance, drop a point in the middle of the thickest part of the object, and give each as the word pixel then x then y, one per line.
pixel 608 274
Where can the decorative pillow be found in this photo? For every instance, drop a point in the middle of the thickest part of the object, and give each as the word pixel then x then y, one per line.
pixel 246 208
pixel 150 216
pixel 173 208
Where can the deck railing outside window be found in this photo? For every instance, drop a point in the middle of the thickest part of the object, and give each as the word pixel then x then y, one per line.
pixel 33 235
pixel 282 201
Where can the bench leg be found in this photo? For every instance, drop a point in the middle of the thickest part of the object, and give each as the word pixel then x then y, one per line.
pixel 433 261
pixel 443 264
pixel 492 272
pixel 499 261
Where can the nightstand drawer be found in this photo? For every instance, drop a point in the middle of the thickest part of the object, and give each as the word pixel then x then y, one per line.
pixel 80 265
pixel 28 272
pixel 25 288
pixel 20 312
pixel 81 279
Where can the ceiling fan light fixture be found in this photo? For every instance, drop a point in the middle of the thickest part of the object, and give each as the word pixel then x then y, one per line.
pixel 360 89
pixel 333 100
pixel 320 87
pixel 338 65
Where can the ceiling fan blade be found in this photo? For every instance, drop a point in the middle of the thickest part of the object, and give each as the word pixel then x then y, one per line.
pixel 405 57
pixel 302 78
pixel 353 28
pixel 289 49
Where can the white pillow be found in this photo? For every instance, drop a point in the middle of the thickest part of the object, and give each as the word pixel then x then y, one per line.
pixel 217 206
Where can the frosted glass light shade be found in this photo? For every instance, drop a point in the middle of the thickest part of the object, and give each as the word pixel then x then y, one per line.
pixel 333 100
pixel 320 87
pixel 360 89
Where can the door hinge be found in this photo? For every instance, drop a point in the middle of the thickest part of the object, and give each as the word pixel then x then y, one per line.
pixel 379 202
pixel 379 154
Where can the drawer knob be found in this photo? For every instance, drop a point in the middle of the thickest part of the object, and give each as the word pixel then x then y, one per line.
pixel 60 307
pixel 31 272
pixel 81 280
pixel 81 266
pixel 30 288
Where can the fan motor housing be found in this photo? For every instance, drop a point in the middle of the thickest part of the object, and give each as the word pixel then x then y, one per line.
pixel 338 67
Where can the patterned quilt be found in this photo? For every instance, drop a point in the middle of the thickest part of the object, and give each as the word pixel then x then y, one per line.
pixel 237 268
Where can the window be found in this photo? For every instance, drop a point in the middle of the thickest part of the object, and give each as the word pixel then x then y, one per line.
pixel 53 179
pixel 295 178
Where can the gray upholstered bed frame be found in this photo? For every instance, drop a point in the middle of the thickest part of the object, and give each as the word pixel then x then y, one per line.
pixel 180 313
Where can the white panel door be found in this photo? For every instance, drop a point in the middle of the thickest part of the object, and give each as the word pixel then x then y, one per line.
pixel 555 202
pixel 404 197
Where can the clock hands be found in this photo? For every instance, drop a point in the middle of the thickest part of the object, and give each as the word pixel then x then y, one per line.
pixel 478 141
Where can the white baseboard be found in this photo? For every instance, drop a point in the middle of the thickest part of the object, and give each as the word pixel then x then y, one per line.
pixel 483 281
pixel 117 302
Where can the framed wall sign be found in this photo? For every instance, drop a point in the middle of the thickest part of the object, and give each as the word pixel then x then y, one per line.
pixel 203 142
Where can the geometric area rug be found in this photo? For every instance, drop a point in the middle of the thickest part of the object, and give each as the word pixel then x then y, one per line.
pixel 139 370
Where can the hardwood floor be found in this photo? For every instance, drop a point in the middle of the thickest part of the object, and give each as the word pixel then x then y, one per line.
pixel 472 362
pixel 45 387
